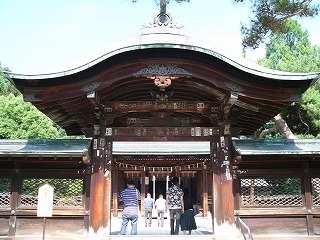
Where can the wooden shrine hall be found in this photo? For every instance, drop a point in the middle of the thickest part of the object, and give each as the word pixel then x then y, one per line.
pixel 157 106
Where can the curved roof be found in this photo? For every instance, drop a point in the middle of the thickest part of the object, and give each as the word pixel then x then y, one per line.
pixel 242 93
pixel 175 41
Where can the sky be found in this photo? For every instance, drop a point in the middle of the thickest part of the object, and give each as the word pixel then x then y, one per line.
pixel 47 36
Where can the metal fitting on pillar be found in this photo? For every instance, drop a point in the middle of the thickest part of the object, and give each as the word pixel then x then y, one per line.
pixel 96 130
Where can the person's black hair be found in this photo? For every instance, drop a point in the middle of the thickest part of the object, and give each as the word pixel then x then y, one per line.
pixel 175 180
pixel 131 182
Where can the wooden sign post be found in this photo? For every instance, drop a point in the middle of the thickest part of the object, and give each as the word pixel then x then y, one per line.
pixel 45 204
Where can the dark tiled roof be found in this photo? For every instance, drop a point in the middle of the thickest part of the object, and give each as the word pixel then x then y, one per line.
pixel 277 147
pixel 43 147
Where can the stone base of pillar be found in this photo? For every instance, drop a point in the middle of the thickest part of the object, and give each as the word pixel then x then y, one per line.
pixel 226 230
pixel 102 232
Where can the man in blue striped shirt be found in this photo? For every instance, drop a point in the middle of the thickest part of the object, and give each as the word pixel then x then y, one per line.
pixel 130 197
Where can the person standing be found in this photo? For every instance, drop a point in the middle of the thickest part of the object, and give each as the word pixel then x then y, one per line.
pixel 148 206
pixel 174 202
pixel 130 197
pixel 160 205
pixel 188 222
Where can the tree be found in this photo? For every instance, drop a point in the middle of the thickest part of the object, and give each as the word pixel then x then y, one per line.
pixel 20 120
pixel 293 52
pixel 270 16
pixel 5 86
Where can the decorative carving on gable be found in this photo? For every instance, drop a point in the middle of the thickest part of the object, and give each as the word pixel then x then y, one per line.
pixel 30 96
pixel 295 96
pixel 90 87
pixel 234 87
pixel 162 70
pixel 162 75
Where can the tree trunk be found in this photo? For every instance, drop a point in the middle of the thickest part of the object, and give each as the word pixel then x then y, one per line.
pixel 282 126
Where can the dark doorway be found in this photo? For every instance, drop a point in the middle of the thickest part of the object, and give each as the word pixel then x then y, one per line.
pixel 160 188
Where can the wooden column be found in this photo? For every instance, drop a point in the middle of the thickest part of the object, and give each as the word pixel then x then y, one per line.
pixel 177 173
pixel 306 181
pixel 205 190
pixel 223 199
pixel 143 188
pixel 16 186
pixel 115 187
pixel 97 186
pixel 107 187
pixel 86 201
pixel 199 183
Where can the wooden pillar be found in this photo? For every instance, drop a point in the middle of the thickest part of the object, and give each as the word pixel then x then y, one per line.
pixel 199 186
pixel 205 191
pixel 306 181
pixel 107 187
pixel 143 187
pixel 16 186
pixel 222 189
pixel 177 173
pixel 86 200
pixel 97 186
pixel 115 187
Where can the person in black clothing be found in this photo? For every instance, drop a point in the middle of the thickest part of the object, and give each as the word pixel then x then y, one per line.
pixel 188 222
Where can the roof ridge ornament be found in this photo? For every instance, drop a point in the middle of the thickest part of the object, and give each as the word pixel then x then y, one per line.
pixel 162 22
pixel 163 18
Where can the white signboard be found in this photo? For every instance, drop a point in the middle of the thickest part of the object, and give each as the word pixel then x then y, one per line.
pixel 45 201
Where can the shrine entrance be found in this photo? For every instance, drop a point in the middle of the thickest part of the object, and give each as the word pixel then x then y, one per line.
pixel 153 164
pixel 149 105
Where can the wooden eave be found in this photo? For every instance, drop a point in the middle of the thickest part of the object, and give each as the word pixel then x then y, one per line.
pixel 211 77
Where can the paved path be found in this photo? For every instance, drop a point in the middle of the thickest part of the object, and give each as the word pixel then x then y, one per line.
pixel 203 232
pixel 204 227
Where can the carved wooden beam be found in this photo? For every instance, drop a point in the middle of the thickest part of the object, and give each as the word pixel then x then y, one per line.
pixel 144 121
pixel 246 106
pixel 232 99
pixel 151 106
pixel 94 99
pixel 162 134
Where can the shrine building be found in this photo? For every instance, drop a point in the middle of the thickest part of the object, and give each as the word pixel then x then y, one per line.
pixel 157 106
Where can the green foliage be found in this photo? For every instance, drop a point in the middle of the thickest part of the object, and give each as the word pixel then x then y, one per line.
pixel 62 187
pixel 292 186
pixel 269 17
pixel 287 186
pixel 21 120
pixel 6 87
pixel 293 52
pixel 272 135
pixel 5 185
